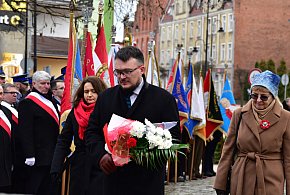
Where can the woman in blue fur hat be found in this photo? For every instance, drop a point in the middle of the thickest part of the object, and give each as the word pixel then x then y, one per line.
pixel 262 147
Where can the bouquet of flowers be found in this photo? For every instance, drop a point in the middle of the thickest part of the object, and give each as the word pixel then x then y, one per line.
pixel 147 144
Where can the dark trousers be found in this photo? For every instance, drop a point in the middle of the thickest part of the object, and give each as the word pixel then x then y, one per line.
pixel 199 146
pixel 209 152
pixel 18 179
pixel 38 180
pixel 181 159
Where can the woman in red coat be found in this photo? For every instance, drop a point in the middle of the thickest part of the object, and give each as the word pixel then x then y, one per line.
pixel 73 130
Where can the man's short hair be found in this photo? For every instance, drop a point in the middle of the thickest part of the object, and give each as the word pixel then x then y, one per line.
pixel 40 76
pixel 53 84
pixel 128 52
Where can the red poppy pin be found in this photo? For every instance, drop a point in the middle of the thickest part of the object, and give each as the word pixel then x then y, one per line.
pixel 264 124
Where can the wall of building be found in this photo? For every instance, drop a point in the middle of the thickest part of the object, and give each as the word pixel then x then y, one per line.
pixel 262 32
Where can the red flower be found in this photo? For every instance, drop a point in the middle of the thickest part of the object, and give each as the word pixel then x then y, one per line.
pixel 131 142
pixel 264 124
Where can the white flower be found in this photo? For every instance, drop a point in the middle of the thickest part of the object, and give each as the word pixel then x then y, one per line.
pixel 138 129
pixel 160 131
pixel 167 134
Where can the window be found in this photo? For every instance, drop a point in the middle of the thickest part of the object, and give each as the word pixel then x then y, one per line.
pixel 230 52
pixel 47 69
pixel 214 25
pixel 183 31
pixel 169 33
pixel 191 30
pixel 199 28
pixel 162 57
pixel 213 53
pixel 198 54
pixel 208 51
pixel 223 52
pixel 163 34
pixel 183 6
pixel 176 32
pixel 230 22
pixel 177 8
pixel 168 57
pixel 224 21
pixel 209 25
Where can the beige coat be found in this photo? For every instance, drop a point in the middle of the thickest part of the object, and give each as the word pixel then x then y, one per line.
pixel 263 162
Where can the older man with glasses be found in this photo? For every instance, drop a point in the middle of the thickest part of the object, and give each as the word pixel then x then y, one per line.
pixel 134 99
pixel 10 95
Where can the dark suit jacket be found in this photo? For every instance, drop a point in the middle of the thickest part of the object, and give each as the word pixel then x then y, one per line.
pixel 5 151
pixel 153 103
pixel 37 132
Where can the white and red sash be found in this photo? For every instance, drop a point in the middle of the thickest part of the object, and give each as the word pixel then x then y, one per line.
pixel 5 123
pixel 12 110
pixel 45 104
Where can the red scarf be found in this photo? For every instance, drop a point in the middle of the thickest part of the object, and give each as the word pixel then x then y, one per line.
pixel 82 113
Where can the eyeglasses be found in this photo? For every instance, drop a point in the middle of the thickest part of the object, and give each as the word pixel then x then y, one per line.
pixel 262 97
pixel 12 92
pixel 125 72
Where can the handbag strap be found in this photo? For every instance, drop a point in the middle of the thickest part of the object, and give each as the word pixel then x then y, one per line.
pixel 237 132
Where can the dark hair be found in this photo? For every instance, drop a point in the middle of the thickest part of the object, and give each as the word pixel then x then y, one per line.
pixel 98 85
pixel 284 103
pixel 128 52
pixel 53 84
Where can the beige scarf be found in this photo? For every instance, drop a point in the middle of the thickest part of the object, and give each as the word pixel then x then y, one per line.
pixel 260 114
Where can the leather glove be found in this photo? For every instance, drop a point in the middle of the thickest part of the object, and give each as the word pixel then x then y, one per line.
pixel 107 164
pixel 30 161
pixel 220 192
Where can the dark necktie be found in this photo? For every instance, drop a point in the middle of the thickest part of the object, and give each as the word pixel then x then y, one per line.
pixel 128 101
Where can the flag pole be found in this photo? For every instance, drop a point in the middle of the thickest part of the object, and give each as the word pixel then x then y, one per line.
pixel 86 12
pixel 225 72
pixel 157 66
pixel 101 10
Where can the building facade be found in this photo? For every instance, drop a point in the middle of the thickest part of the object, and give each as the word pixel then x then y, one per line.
pixel 186 24
pixel 146 24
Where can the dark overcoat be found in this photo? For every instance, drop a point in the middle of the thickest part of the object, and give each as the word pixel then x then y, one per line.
pixel 79 162
pixel 5 152
pixel 37 132
pixel 153 103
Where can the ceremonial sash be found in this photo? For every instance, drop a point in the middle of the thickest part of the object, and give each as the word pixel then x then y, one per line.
pixel 45 104
pixel 5 123
pixel 12 110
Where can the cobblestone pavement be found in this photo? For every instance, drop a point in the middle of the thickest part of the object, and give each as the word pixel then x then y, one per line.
pixel 197 187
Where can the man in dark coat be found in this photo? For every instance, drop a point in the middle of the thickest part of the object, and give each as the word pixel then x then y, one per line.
pixel 145 101
pixel 5 147
pixel 37 132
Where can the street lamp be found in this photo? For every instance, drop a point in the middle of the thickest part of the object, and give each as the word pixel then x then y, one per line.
pixel 206 37
pixel 189 55
pixel 221 30
pixel 195 50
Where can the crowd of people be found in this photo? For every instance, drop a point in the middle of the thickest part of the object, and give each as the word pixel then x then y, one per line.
pixel 34 152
